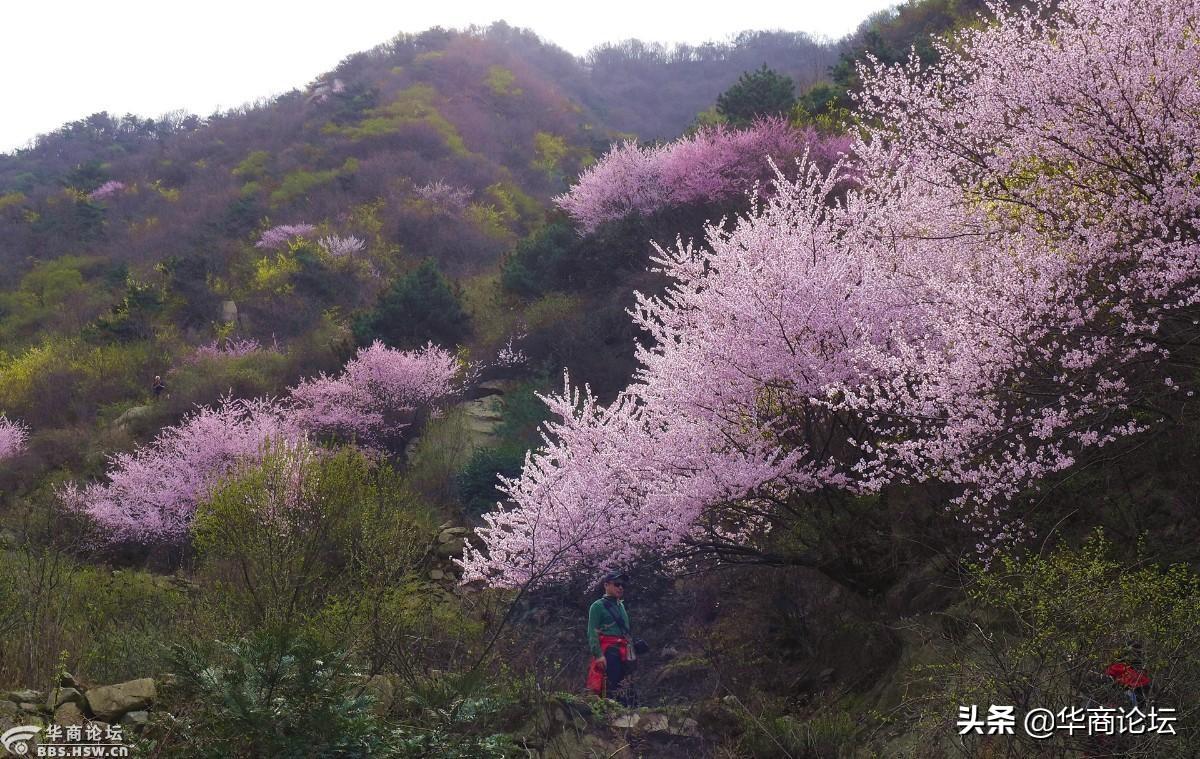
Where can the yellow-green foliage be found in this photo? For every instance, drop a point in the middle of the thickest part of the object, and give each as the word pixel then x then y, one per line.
pixel 52 282
pixel 366 219
pixel 440 452
pixel 170 194
pixel 514 205
pixel 62 369
pixel 9 199
pixel 20 375
pixel 257 374
pixel 54 294
pixel 488 220
pixel 254 166
pixel 502 81
pixel 145 225
pixel 507 210
pixel 414 105
pixel 552 309
pixel 273 275
pixel 430 57
pixel 548 150
pixel 491 308
pixel 301 530
pixel 1042 628
pixel 102 625
pixel 299 182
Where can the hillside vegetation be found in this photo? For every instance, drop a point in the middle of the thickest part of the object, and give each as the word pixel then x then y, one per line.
pixel 320 419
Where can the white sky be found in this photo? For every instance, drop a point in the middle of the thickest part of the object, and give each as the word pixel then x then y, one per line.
pixel 63 60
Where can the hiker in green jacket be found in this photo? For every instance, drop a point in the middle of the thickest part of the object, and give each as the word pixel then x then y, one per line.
pixel 609 637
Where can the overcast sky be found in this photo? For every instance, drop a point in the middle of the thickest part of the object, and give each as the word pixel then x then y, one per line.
pixel 64 60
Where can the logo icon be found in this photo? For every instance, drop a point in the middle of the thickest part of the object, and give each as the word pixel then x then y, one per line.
pixel 16 741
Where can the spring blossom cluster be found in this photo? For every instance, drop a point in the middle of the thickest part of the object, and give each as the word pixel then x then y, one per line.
pixel 278 237
pixel 1010 284
pixel 716 163
pixel 152 492
pixel 13 438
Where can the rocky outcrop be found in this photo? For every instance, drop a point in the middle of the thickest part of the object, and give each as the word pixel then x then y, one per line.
pixel 70 703
pixel 111 702
pixel 565 727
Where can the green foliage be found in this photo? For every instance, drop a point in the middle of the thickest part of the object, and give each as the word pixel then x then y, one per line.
pixel 189 294
pixel 822 736
pixel 58 295
pixel 60 381
pixel 477 480
pixel 502 81
pixel 821 107
pixel 1053 625
pixel 297 183
pixel 477 483
pixel 253 167
pixel 540 262
pixel 134 316
pixel 86 176
pixel 285 537
pixel 709 117
pixel 72 217
pixel 272 694
pixel 207 380
pixel 555 257
pixel 757 93
pixel 114 625
pixel 549 150
pixel 415 105
pixel 11 199
pixel 488 220
pixel 421 306
pixel 445 744
pixel 438 455
pixel 890 35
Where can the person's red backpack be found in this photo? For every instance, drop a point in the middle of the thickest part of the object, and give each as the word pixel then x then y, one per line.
pixel 1126 676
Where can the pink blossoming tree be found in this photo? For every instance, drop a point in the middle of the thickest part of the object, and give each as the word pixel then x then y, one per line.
pixel 376 393
pixel 278 237
pixel 106 190
pixel 152 492
pixel 341 247
pixel 227 348
pixel 13 438
pixel 1012 285
pixel 716 163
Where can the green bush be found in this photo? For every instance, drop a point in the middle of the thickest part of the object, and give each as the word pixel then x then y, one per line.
pixel 757 93
pixel 421 306
pixel 271 694
pixel 1053 624
pixel 303 529
pixel 477 480
pixel 540 262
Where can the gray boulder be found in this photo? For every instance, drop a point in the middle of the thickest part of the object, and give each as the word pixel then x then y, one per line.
pixel 69 714
pixel 111 702
pixel 19 696
pixel 59 696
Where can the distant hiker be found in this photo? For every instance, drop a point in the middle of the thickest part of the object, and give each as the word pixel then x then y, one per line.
pixel 609 638
pixel 1133 681
pixel 160 387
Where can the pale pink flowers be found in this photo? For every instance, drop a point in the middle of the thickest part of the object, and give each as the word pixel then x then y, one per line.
pixel 13 438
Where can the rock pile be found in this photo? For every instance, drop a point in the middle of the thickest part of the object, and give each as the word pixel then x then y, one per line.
pixel 70 703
